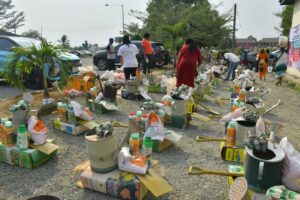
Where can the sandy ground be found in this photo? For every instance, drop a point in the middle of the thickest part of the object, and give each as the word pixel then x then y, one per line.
pixel 56 177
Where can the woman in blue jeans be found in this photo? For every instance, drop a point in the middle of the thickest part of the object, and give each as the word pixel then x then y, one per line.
pixel 233 63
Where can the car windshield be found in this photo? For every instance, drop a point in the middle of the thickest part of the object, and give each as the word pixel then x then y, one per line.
pixel 27 42
pixel 252 54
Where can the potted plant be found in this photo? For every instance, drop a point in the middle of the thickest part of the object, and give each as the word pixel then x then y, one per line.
pixel 25 63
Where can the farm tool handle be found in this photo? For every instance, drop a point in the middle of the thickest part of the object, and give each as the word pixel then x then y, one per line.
pixel 100 84
pixel 200 171
pixel 207 139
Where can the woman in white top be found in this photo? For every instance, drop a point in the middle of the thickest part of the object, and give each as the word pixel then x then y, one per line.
pixel 128 54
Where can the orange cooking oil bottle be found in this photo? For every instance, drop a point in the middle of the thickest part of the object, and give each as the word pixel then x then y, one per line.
pixel 230 134
pixel 134 144
pixel 242 95
pixel 236 88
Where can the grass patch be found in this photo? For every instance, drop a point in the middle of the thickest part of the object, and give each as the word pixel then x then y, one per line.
pixel 294 87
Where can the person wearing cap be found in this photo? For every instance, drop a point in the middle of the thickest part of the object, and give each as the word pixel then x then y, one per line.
pixel 111 55
pixel 147 54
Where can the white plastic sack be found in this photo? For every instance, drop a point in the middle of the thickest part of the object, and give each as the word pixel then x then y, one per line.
pixel 291 168
pixel 107 75
pixel 80 112
pixel 32 122
pixel 232 115
pixel 155 128
pixel 124 163
pixel 260 127
pixel 37 130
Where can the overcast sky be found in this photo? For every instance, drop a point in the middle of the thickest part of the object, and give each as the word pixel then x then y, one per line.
pixel 91 20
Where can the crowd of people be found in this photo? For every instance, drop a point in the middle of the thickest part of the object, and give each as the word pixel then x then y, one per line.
pixel 261 67
pixel 189 57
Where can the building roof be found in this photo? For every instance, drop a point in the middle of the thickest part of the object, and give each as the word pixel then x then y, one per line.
pixel 286 2
pixel 269 40
pixel 244 40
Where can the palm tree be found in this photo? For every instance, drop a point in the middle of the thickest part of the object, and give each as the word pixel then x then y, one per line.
pixel 24 61
pixel 65 42
pixel 175 33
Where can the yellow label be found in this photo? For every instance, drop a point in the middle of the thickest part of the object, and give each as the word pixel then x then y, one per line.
pixel 229 154
pixel 238 155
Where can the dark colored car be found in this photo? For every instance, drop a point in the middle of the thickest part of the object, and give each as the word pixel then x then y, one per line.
pixel 34 81
pixel 252 62
pixel 161 56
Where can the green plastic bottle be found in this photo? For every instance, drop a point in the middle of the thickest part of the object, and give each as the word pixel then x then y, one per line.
pixel 22 137
pixel 147 148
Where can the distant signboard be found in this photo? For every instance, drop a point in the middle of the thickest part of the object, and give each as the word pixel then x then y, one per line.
pixel 294 51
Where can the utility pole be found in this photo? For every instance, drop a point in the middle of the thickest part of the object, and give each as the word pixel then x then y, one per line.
pixel 234 27
pixel 123 19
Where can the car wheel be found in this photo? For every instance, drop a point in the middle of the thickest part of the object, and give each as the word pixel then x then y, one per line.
pixel 101 64
pixel 250 65
pixel 34 80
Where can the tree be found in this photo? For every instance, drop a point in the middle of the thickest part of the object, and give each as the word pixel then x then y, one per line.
pixel 64 41
pixel 25 61
pixel 172 21
pixel 286 16
pixel 85 45
pixel 175 33
pixel 134 31
pixel 10 20
pixel 31 34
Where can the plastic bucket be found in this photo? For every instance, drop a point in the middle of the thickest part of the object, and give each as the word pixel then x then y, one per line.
pixel 263 170
pixel 110 93
pixel 242 129
pixel 103 153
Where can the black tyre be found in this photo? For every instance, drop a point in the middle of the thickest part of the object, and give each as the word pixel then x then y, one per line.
pixel 101 64
pixel 34 80
pixel 250 66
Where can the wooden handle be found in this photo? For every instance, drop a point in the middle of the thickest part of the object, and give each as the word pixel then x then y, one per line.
pixel 199 171
pixel 205 139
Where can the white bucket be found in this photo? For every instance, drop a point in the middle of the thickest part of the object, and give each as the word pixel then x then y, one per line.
pixel 180 107
pixel 103 153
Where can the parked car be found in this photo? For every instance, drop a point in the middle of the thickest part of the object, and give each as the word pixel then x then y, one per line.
pixel 87 53
pixel 35 80
pixel 161 56
pixel 252 62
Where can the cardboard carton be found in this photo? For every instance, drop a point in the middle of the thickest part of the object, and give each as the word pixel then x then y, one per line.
pixel 81 83
pixel 69 128
pixel 176 121
pixel 156 89
pixel 29 158
pixel 118 184
pixel 125 185
pixel 234 154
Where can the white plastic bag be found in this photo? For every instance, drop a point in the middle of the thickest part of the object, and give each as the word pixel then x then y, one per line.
pixel 36 126
pixel 37 130
pixel 124 163
pixel 107 75
pixel 80 112
pixel 291 168
pixel 260 127
pixel 232 115
pixel 155 128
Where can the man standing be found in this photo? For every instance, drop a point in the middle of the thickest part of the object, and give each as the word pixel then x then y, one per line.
pixel 233 63
pixel 111 55
pixel 147 54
